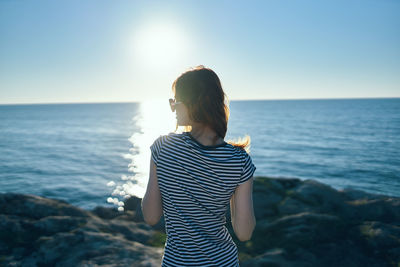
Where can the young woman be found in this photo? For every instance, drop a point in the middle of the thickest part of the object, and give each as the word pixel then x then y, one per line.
pixel 195 175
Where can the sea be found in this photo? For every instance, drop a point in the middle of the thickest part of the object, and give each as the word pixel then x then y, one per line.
pixel 97 154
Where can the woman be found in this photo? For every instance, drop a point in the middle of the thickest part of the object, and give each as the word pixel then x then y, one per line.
pixel 195 175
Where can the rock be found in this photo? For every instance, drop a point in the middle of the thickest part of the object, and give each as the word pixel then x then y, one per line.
pixel 88 248
pixel 354 194
pixel 132 203
pixel 300 230
pixel 308 223
pixel 292 206
pixel 266 204
pixel 53 224
pixel 286 183
pixel 320 195
pixel 383 209
pixel 106 213
pixel 64 235
pixel 279 258
pixel 272 258
pixel 299 223
pixel 382 239
pixel 37 207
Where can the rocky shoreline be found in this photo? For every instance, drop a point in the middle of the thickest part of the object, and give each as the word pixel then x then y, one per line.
pixel 299 223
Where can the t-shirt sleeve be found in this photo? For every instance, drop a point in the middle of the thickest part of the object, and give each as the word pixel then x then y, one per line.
pixel 156 148
pixel 248 169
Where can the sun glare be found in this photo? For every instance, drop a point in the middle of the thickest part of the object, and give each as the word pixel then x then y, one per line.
pixel 159 45
pixel 155 119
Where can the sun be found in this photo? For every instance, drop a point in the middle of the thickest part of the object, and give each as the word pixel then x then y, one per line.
pixel 159 45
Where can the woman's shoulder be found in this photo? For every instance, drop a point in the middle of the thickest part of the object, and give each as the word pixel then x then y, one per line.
pixel 238 149
pixel 170 137
pixel 242 153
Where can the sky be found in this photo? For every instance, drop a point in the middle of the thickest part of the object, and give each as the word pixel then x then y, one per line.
pixel 131 51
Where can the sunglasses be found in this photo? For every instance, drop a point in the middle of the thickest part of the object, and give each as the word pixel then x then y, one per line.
pixel 173 103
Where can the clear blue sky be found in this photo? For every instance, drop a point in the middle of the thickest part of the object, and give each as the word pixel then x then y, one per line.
pixel 109 51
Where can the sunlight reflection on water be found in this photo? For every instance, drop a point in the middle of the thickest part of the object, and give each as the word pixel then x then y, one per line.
pixel 154 119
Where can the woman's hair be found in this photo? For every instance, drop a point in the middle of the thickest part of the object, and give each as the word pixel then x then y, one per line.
pixel 201 91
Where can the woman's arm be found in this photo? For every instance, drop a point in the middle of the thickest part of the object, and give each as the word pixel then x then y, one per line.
pixel 242 212
pixel 151 202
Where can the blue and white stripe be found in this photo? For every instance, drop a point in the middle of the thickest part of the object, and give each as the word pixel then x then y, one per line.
pixel 196 183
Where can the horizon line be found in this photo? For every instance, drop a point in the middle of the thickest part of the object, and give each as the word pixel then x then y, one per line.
pixel 232 100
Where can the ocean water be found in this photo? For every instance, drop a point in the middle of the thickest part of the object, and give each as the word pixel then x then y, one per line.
pixel 98 154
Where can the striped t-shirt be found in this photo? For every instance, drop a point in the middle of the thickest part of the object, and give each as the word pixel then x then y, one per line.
pixel 196 184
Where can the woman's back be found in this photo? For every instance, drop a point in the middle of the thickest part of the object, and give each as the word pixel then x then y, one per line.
pixel 196 184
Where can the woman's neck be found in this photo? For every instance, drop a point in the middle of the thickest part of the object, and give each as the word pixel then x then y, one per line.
pixel 205 135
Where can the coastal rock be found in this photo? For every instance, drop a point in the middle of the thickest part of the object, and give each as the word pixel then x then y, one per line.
pixel 322 196
pixel 382 209
pixel 383 239
pixel 316 225
pixel 36 207
pixel 278 257
pixel 37 231
pixel 106 213
pixel 299 223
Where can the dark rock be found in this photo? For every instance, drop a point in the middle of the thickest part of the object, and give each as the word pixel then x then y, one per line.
pixel 292 206
pixel 299 223
pixel 300 230
pixel 318 194
pixel 54 224
pixel 37 207
pixel 63 235
pixel 382 239
pixel 271 258
pixel 354 194
pixel 307 223
pixel 383 209
pixel 266 204
pixel 132 203
pixel 106 213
